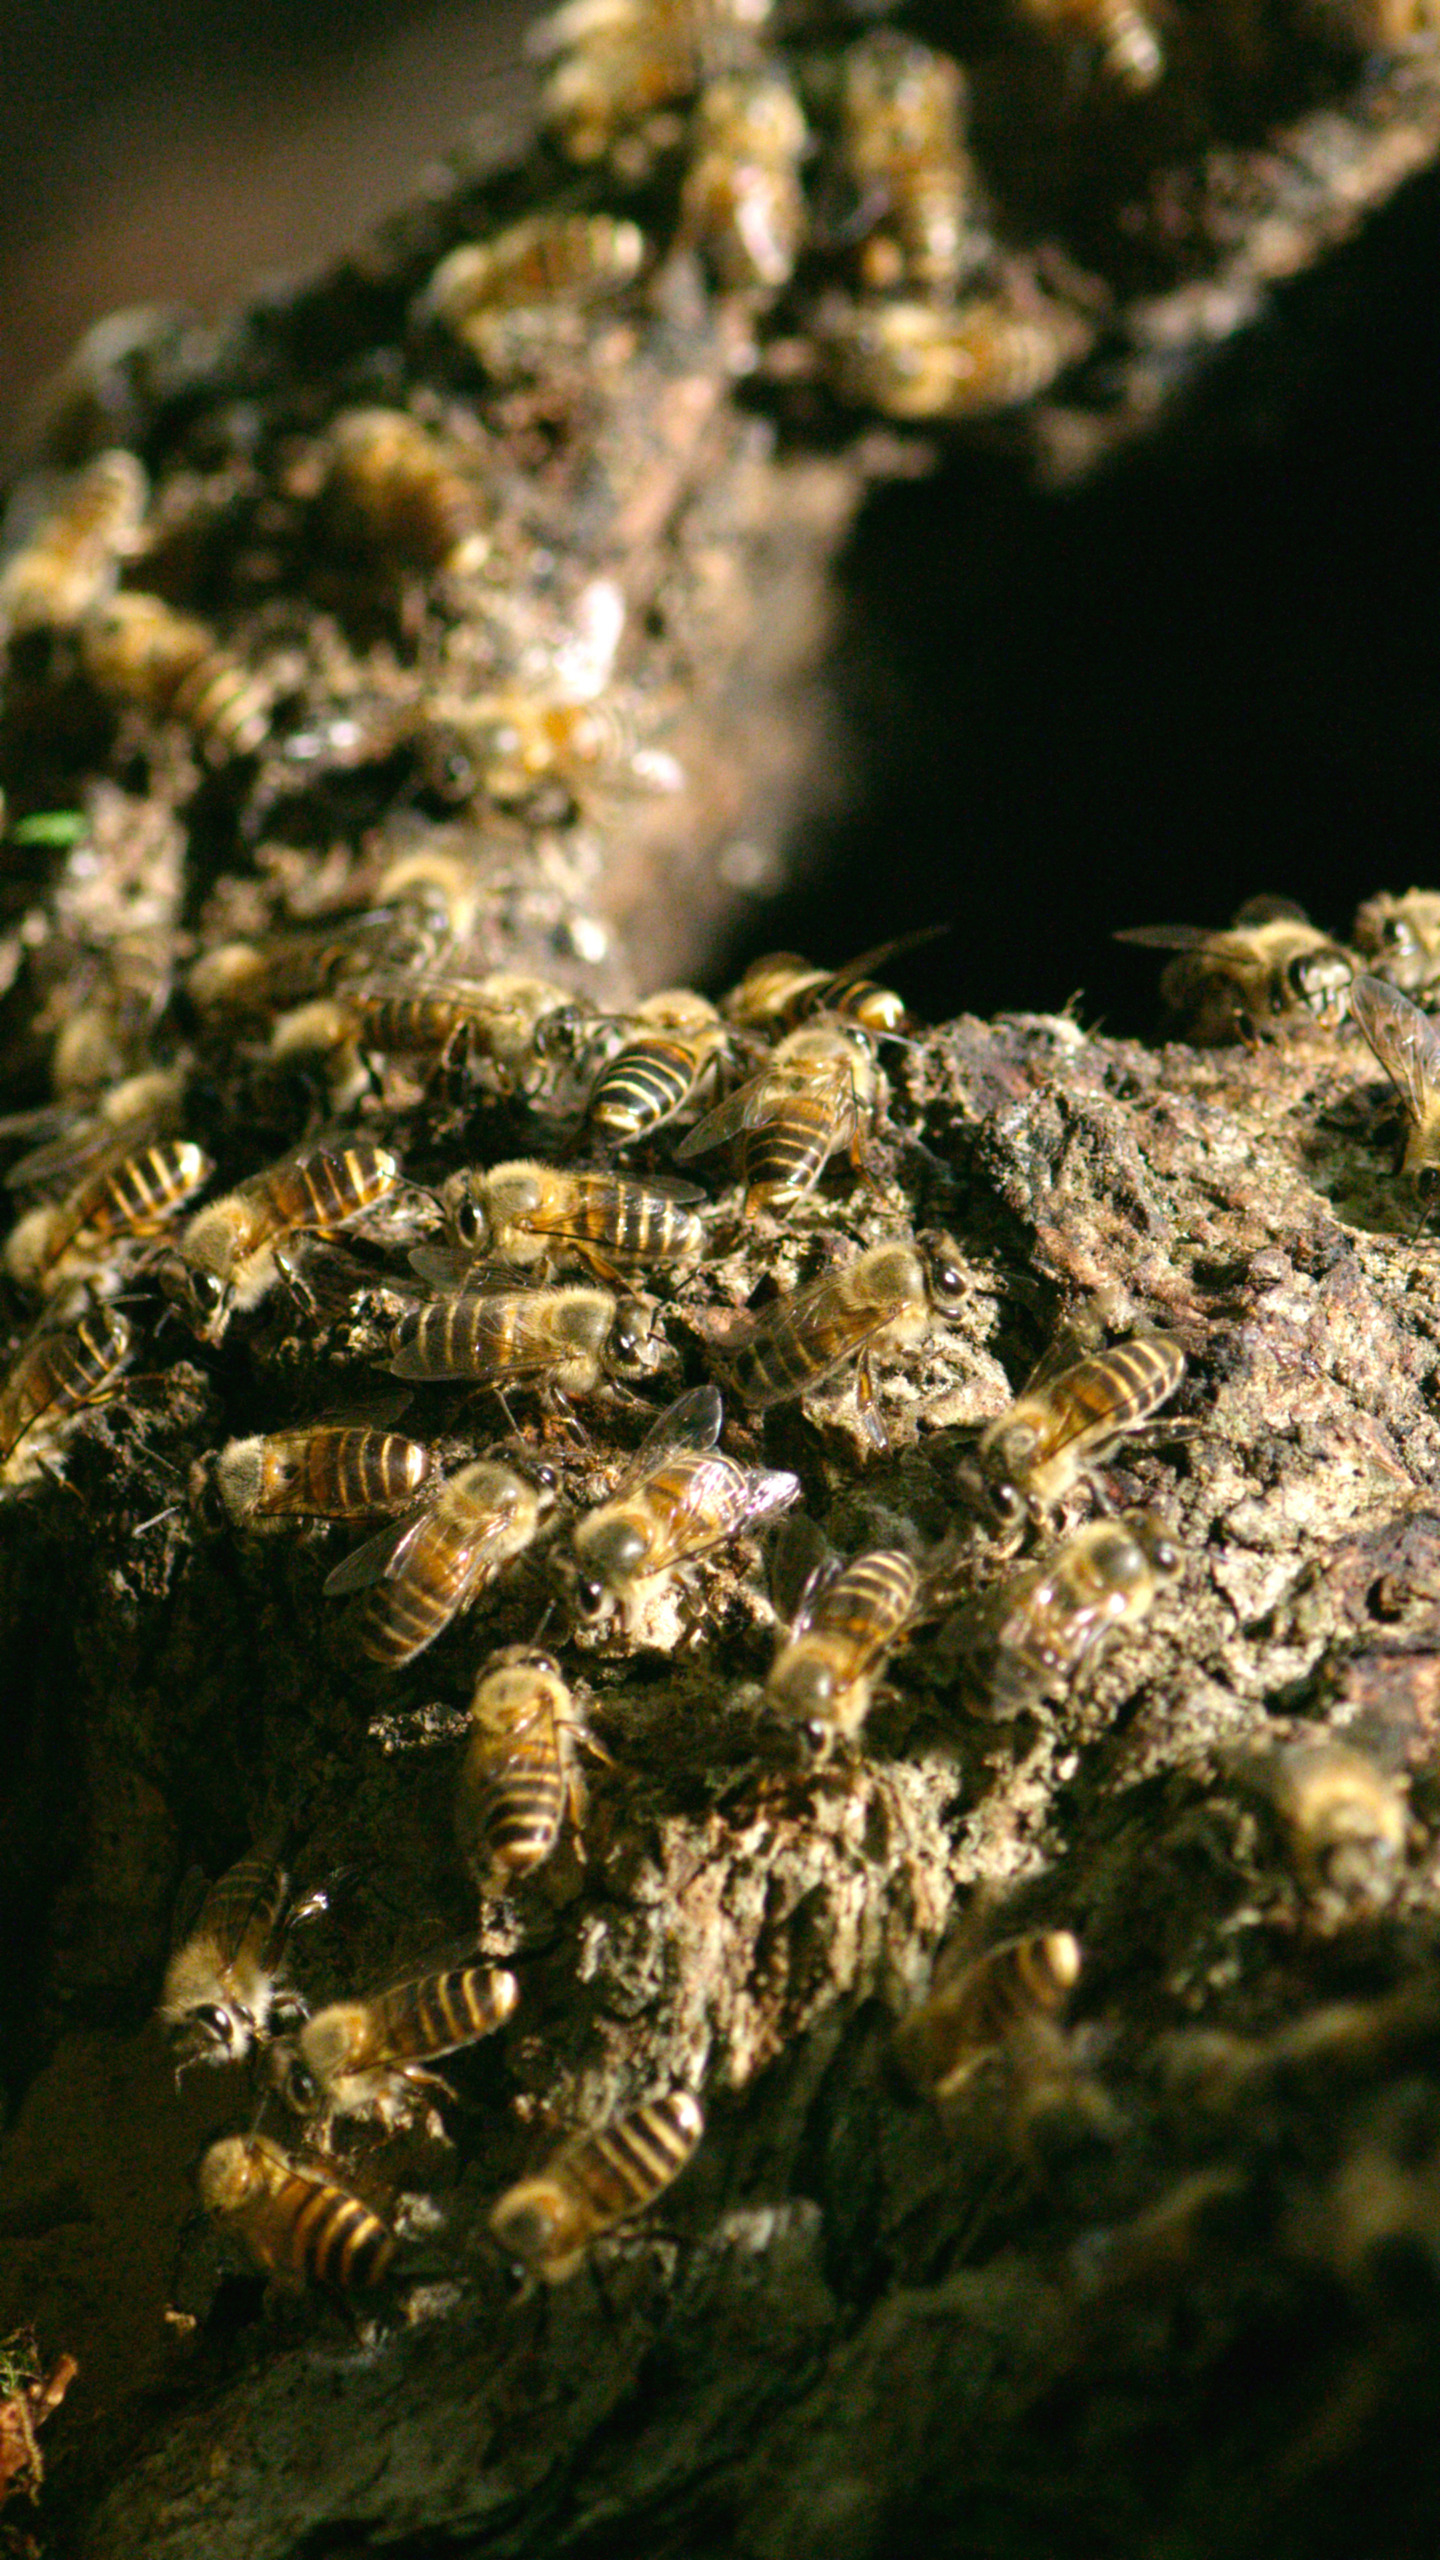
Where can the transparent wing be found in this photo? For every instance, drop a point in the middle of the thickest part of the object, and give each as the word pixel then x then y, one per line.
pixel 1403 1038
pixel 1166 937
pixel 877 957
pixel 380 1558
pixel 1268 910
pixel 803 1563
pixel 680 1195
pixel 763 1099
pixel 692 1422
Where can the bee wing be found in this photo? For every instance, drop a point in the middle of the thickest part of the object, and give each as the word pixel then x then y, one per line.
pixel 1166 937
pixel 380 1558
pixel 1403 1038
pixel 441 1266
pixel 1267 910
pixel 770 1489
pixel 878 955
pixel 545 1222
pixel 693 1421
pixel 803 1562
pixel 78 1154
pixel 751 1105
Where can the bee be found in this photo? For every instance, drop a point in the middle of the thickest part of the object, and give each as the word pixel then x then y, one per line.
pixel 434 891
pixel 1125 33
pixel 1062 1427
pixel 367 2057
pixel 548 743
pixel 518 1777
pixel 128 1116
pixel 1038 1628
pixel 540 1213
pixel 902 126
pixel 328 1471
pixel 844 1620
pixel 516 1024
pixel 219 1987
pixel 886 1299
pixel 942 2042
pixel 546 2223
pixel 1399 938
pixel 420 1572
pixel 398 489
pixel 497 296
pixel 52 1383
pixel 680 1498
pixel 915 360
pixel 138 651
pixel 229 1255
pixel 1344 1822
pixel 242 983
pixel 819 1091
pixel 69 561
pixel 1407 1045
pixel 782 990
pixel 1271 972
pixel 742 200
pixel 623 61
pixel 562 1342
pixel 298 2225
pixel 679 1040
pixel 133 1198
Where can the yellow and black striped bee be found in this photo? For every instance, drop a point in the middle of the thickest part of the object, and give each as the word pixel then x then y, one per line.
pixel 781 990
pixel 742 204
pixel 1273 971
pixel 396 489
pixel 917 360
pixel 52 1383
pixel 229 1256
pixel 545 2224
pixel 677 1040
pixel 1031 1634
pixel 902 141
pixel 620 64
pixel 561 1342
pixel 949 2035
pixel 1407 1045
pixel 843 1622
pixel 368 2057
pixel 886 1299
pixel 518 1776
pixel 819 1091
pixel 1124 32
pixel 420 1572
pixel 297 2224
pixel 511 298
pixel 68 557
pixel 518 1026
pixel 1063 1426
pixel 532 1213
pixel 125 1203
pixel 219 1987
pixel 322 1471
pixel 680 1498
pixel 1399 938
pixel 139 652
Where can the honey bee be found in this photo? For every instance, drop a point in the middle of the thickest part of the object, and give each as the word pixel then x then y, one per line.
pixel 420 1572
pixel 229 1255
pixel 69 561
pixel 1399 938
pixel 1271 972
pixel 132 1199
pixel 394 487
pixel 219 1987
pixel 545 744
pixel 541 1213
pixel 435 890
pixel 52 1383
pixel 328 1471
pixel 297 2224
pixel 367 2057
pixel 742 200
pixel 518 1777
pixel 680 1498
pixel 1062 1427
pixel 679 1040
pixel 886 1299
pixel 1125 33
pixel 1344 1822
pixel 128 1116
pixel 138 651
pixel 504 298
pixel 1035 1631
pixel 949 2035
pixel 844 1621
pixel 562 1342
pixel 782 990
pixel 917 360
pixel 546 2223
pixel 1407 1045
pixel 819 1091
pixel 517 1025
pixel 902 125
pixel 621 62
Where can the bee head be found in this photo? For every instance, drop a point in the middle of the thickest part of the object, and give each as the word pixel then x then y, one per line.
pixel 294 2078
pixel 633 1343
pixel 944 1271
pixel 200 1296
pixel 214 2031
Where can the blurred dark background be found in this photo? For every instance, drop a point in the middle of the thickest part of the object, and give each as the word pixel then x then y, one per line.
pixel 1207 674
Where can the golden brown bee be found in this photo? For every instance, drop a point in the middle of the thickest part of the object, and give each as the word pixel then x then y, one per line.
pixel 547 743
pixel 518 1777
pixel 396 489
pixel 562 1342
pixel 1399 938
pixel 1063 1426
pixel 133 1198
pixel 886 1299
pixel 367 2057
pixel 742 203
pixel 1407 1045
pixel 219 1986
pixel 902 129
pixel 546 2223
pixel 502 298
pixel 1032 1634
pixel 541 1213
pixel 680 1498
pixel 781 990
pixel 622 61
pixel 138 651
pixel 243 983
pixel 329 1471
pixel 128 1116
pixel 517 1025
pixel 229 1255
pixel 942 2042
pixel 421 1572
pixel 52 1383
pixel 436 892
pixel 679 1040
pixel 917 360
pixel 69 561
pixel 1273 971
pixel 844 1621
pixel 297 2224
pixel 1344 1822
pixel 820 1090
pixel 1125 33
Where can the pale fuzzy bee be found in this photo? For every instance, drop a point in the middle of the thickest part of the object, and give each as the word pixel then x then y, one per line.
pixel 396 489
pixel 902 140
pixel 138 652
pixel 1273 971
pixel 623 62
pixel 844 1621
pixel 679 1499
pixel 782 990
pixel 419 1573
pixel 938 360
pixel 503 298
pixel 1125 33
pixel 1344 1822
pixel 131 1114
pixel 562 1342
pixel 1062 1427
pixel 326 1471
pixel 887 1299
pixel 368 2057
pixel 237 985
pixel 546 2224
pixel 962 2023
pixel 297 2224
pixel 1399 938
pixel 48 1388
pixel 531 1213
pixel 122 1205
pixel 678 1040
pixel 518 1778
pixel 437 890
pixel 67 562
pixel 219 1987
pixel 229 1256
pixel 1407 1045
pixel 820 1090
pixel 742 203
pixel 528 741
pixel 1032 1634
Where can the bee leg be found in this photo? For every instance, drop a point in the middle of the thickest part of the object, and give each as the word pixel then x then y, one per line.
pixel 300 1290
pixel 870 1414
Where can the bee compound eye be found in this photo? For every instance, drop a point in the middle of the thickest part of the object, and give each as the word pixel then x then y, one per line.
pixel 301 2087
pixel 222 2027
pixel 207 1292
pixel 815 1738
pixel 590 1600
pixel 469 1224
